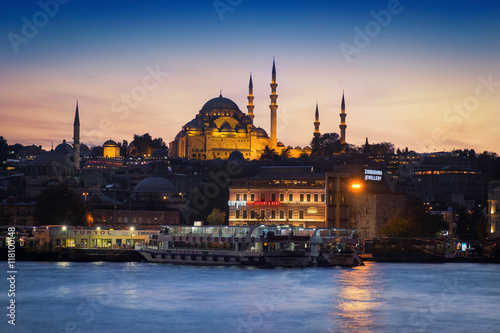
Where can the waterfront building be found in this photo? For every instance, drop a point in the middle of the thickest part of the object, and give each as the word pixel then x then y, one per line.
pixel 277 196
pixel 17 213
pixel 493 212
pixel 55 238
pixel 353 198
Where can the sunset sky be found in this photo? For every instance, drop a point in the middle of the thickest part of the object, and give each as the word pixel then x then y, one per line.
pixel 420 74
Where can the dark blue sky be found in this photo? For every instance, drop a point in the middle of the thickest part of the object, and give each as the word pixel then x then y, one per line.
pixel 398 87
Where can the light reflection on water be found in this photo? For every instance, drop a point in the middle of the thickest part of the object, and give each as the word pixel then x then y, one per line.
pixel 140 297
pixel 357 299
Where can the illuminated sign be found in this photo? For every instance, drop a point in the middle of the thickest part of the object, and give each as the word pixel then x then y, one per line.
pixel 373 175
pixel 264 203
pixel 236 203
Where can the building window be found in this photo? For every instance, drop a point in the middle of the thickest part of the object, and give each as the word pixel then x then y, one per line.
pixel 308 198
pixel 273 214
pixel 302 197
pixel 252 196
pixel 316 197
pixel 282 197
pixel 282 214
pixel 273 197
pixel 245 214
pixel 290 214
pixel 322 198
pixel 290 197
pixel 237 214
pixel 262 214
pixel 237 197
pixel 252 214
pixel 263 197
pixel 244 197
pixel 301 214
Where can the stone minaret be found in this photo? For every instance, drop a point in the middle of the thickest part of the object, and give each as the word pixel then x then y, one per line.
pixel 342 121
pixel 76 140
pixel 316 122
pixel 274 108
pixel 250 105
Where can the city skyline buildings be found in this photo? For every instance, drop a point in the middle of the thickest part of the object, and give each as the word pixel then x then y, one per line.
pixel 418 75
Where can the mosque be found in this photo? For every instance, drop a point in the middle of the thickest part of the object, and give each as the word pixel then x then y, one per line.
pixel 220 128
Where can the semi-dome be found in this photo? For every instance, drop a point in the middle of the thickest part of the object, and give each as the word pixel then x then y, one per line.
pixel 220 103
pixel 155 184
pixel 226 128
pixel 261 132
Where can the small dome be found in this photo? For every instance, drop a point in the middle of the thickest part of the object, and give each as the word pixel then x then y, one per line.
pixel 307 148
pixel 246 120
pixel 261 132
pixel 155 184
pixel 64 148
pixel 110 143
pixel 298 148
pixel 220 103
pixel 241 129
pixel 280 144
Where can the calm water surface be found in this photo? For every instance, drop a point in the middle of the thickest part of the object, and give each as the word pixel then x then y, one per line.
pixel 143 297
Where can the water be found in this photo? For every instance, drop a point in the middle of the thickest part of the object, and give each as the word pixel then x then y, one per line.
pixel 143 297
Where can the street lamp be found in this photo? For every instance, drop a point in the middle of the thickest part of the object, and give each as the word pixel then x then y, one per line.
pixel 132 236
pixel 64 228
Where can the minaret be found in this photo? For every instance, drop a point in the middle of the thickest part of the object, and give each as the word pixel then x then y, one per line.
pixel 274 108
pixel 250 105
pixel 342 121
pixel 76 140
pixel 316 123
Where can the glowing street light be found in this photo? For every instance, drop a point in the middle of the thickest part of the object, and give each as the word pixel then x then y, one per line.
pixel 356 186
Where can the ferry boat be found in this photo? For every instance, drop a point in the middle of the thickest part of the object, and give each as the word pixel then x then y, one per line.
pixel 264 246
pixel 334 247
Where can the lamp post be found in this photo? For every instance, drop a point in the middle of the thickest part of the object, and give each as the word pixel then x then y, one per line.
pixel 132 236
pixel 166 204
pixel 64 228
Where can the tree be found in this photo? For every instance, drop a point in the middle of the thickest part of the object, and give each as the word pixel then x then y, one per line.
pixel 399 226
pixel 471 226
pixel 414 221
pixel 145 144
pixel 4 150
pixel 326 144
pixel 59 205
pixel 216 217
pixel 269 154
pixel 381 149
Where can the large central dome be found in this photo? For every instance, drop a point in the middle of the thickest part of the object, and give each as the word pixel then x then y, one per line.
pixel 220 103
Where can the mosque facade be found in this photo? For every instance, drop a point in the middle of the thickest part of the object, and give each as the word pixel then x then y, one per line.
pixel 220 128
